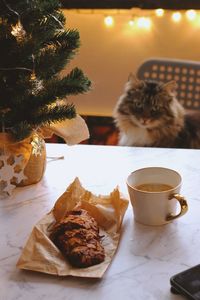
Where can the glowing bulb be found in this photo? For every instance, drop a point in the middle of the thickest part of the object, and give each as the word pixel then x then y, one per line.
pixel 191 14
pixel 144 22
pixel 159 12
pixel 18 31
pixel 176 17
pixel 131 23
pixel 108 21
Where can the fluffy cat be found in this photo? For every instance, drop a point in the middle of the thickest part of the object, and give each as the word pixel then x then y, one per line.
pixel 148 115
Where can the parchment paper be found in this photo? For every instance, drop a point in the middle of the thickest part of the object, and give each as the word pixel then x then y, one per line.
pixel 40 254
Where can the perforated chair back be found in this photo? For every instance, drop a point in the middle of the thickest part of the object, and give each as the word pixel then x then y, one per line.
pixel 185 73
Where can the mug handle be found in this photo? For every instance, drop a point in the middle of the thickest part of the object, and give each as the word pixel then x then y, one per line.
pixel 184 207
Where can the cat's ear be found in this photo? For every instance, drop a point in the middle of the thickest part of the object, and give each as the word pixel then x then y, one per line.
pixel 133 78
pixel 170 86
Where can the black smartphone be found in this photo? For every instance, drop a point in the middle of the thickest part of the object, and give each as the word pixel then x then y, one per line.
pixel 187 283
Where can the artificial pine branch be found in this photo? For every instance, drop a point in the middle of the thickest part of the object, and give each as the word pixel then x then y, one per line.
pixel 60 49
pixel 54 114
pixel 43 118
pixel 72 84
pixel 75 83
pixel 21 131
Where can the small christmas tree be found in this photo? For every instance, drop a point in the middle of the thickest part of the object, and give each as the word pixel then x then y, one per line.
pixel 34 48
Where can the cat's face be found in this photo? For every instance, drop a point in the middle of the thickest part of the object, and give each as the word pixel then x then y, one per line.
pixel 147 103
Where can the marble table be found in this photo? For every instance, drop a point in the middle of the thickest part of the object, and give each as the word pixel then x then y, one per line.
pixel 147 256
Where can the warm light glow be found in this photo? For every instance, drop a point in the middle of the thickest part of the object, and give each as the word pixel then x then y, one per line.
pixel 109 21
pixel 159 12
pixel 131 23
pixel 144 22
pixel 191 14
pixel 176 17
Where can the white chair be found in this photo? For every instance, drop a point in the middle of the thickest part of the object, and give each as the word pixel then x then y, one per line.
pixel 185 73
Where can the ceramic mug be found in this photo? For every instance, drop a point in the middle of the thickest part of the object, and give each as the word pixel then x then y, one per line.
pixel 154 195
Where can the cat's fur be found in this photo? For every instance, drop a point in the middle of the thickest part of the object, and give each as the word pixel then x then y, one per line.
pixel 148 115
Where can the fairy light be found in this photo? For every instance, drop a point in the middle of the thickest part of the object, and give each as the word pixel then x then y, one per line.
pixel 18 31
pixel 191 14
pixel 159 12
pixel 131 23
pixel 109 21
pixel 176 17
pixel 144 22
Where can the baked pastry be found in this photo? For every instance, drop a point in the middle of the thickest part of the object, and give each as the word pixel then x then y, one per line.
pixel 77 237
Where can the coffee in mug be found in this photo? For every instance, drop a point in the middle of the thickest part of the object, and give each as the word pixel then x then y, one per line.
pixel 154 194
pixel 154 187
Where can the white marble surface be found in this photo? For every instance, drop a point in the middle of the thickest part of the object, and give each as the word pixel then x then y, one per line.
pixel 147 256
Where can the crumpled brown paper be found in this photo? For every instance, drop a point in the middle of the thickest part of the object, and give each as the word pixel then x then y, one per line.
pixel 40 254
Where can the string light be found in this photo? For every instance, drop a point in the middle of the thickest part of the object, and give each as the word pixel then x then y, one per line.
pixel 14 69
pixel 18 32
pixel 144 22
pixel 37 84
pixel 131 23
pixel 191 14
pixel 176 17
pixel 10 9
pixel 109 21
pixel 139 18
pixel 159 12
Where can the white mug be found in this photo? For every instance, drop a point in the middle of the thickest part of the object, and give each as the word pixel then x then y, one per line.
pixel 154 194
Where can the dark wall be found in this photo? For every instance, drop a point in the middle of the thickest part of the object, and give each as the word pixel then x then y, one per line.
pixel 126 4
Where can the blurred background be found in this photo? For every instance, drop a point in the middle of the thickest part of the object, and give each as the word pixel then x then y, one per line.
pixel 115 42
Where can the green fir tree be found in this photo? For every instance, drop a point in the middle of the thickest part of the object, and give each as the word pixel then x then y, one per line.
pixel 35 46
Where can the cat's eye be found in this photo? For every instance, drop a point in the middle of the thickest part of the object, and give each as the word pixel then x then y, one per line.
pixel 134 94
pixel 130 92
pixel 154 108
pixel 137 109
pixel 155 112
pixel 138 104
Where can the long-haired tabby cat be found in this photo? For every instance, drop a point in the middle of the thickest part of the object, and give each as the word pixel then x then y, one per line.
pixel 148 115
